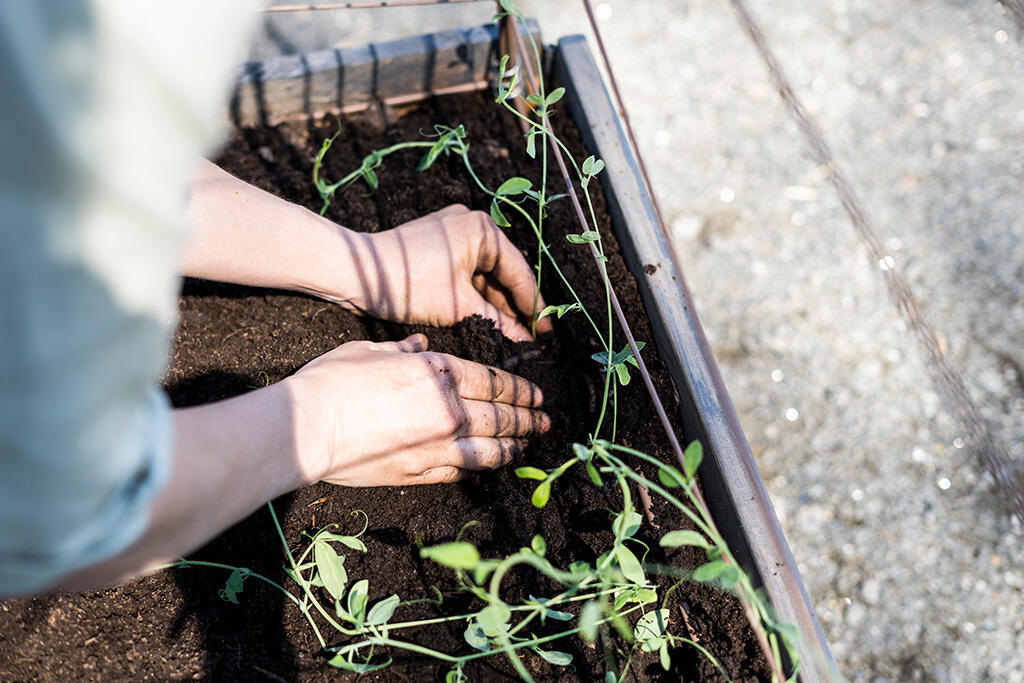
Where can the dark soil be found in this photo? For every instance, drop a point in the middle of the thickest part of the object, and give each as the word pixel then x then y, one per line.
pixel 173 625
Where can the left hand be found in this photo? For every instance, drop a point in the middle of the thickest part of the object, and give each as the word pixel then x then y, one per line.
pixel 441 268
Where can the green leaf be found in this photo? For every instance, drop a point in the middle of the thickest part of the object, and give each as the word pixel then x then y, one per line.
pixel 341 662
pixel 493 619
pixel 531 473
pixel 539 545
pixel 358 596
pixel 666 660
pixel 474 635
pixel 513 186
pixel 483 570
pixel 588 165
pixel 510 7
pixel 595 476
pixel 729 577
pixel 623 372
pixel 554 656
pixel 457 555
pixel 651 628
pixel 382 612
pixel 584 238
pixel 630 566
pixel 675 539
pixel 351 541
pixel 626 355
pixel 636 594
pixel 531 143
pixel 596 168
pixel 626 524
pixel 371 178
pixel 554 96
pixel 233 586
pixel 790 633
pixel 557 615
pixel 497 216
pixel 331 569
pixel 710 571
pixel 432 155
pixel 534 99
pixel 560 310
pixel 581 452
pixel 670 477
pixel 541 494
pixel 692 458
pixel 601 357
pixel 580 569
pixel 590 616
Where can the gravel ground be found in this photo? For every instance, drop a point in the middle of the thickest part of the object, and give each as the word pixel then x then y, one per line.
pixel 915 568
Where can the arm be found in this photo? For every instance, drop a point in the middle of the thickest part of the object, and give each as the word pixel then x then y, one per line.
pixel 435 270
pixel 455 416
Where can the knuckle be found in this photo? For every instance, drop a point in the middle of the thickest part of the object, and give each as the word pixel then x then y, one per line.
pixel 445 475
pixel 506 420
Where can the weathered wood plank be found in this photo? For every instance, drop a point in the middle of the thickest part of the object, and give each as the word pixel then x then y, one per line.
pixel 288 86
pixel 732 485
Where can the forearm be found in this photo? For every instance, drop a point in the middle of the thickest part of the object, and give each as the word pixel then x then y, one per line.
pixel 244 235
pixel 230 457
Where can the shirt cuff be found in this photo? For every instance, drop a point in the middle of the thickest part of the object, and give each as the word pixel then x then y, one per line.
pixel 39 562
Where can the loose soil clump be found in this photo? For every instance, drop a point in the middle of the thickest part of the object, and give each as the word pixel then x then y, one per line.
pixel 230 339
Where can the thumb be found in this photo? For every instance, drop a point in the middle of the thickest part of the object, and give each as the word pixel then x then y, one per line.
pixel 411 344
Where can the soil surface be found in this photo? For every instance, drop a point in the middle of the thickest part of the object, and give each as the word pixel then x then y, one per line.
pixel 173 626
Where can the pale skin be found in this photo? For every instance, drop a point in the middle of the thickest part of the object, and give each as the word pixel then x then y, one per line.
pixel 420 417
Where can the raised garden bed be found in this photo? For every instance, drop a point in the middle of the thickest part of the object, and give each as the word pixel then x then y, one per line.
pixel 173 625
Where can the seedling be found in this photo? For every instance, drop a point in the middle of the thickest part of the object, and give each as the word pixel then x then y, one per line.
pixel 617 363
pixel 447 139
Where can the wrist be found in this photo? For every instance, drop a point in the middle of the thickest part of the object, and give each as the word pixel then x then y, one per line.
pixel 337 260
pixel 310 432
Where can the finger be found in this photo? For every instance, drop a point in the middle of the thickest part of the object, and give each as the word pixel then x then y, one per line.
pixel 411 344
pixel 483 453
pixel 510 271
pixel 498 296
pixel 509 325
pixel 484 418
pixel 440 475
pixel 482 383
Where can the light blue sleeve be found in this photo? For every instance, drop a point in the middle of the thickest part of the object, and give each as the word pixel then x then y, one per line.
pixel 106 111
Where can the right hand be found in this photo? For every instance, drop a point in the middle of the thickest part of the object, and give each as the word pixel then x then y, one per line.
pixel 391 414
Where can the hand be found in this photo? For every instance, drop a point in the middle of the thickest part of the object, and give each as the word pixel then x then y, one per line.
pixel 444 267
pixel 435 270
pixel 390 414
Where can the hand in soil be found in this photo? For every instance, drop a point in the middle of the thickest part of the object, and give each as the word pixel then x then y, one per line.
pixel 390 413
pixel 435 270
pixel 444 267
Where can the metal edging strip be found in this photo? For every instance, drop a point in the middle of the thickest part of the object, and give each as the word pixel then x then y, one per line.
pixel 730 479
